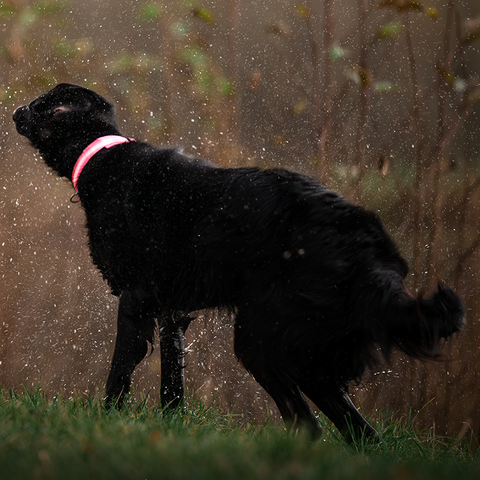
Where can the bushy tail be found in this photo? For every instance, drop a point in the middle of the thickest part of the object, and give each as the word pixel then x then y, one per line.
pixel 416 325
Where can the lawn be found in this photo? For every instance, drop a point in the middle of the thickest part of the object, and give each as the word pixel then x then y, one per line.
pixel 76 438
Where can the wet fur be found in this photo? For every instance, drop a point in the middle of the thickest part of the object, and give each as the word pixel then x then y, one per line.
pixel 315 283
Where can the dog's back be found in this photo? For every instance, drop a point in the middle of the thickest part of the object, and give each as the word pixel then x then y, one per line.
pixel 207 237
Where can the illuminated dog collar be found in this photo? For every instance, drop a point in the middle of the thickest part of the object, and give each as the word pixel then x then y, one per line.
pixel 107 141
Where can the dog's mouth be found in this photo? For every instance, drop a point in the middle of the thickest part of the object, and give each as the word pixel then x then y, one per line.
pixel 21 118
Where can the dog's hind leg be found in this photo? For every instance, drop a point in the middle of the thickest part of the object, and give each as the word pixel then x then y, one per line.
pixel 254 353
pixel 336 404
pixel 135 330
pixel 172 351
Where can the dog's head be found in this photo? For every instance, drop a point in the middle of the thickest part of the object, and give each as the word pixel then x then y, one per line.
pixel 64 117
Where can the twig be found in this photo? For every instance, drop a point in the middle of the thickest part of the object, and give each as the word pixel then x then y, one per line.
pixel 363 84
pixel 435 229
pixel 322 103
pixel 464 256
pixel 419 147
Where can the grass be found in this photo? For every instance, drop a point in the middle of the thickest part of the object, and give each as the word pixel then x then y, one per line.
pixel 76 438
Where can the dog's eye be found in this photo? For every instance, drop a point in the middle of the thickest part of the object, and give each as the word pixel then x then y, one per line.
pixel 58 110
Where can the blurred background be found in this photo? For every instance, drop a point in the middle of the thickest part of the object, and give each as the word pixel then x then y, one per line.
pixel 377 98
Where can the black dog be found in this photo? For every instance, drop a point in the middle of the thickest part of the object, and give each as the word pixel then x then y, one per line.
pixel 315 283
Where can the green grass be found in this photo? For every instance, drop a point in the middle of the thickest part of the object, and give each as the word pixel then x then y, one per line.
pixel 76 438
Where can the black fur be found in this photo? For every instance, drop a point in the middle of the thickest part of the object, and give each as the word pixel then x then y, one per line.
pixel 315 282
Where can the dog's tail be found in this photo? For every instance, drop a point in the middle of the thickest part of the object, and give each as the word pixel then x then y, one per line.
pixel 416 325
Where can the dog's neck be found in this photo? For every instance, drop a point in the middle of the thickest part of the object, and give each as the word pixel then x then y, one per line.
pixel 106 141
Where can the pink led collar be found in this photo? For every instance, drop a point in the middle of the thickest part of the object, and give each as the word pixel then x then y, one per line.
pixel 102 142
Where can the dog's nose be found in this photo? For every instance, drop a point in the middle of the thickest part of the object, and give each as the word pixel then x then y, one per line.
pixel 18 112
pixel 21 119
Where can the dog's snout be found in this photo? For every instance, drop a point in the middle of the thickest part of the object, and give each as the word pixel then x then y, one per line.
pixel 19 112
pixel 21 119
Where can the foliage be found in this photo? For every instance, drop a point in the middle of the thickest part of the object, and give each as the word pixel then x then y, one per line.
pixel 77 438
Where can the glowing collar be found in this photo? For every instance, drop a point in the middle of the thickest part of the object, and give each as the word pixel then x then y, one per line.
pixel 102 142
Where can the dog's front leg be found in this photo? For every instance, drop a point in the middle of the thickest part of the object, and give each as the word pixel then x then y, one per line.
pixel 172 351
pixel 135 329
